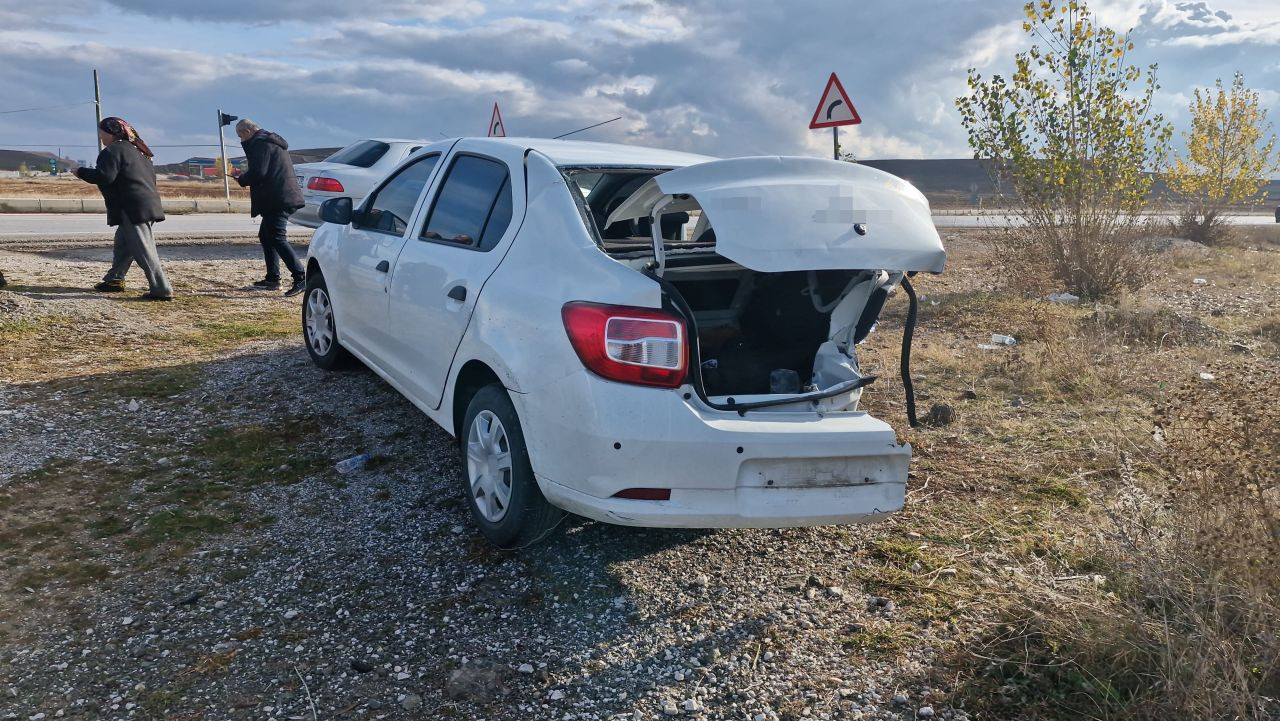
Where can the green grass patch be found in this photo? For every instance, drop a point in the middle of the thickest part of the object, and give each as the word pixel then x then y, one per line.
pixel 154 382
pixel 1057 492
pixel 231 575
pixel 109 525
pixel 73 572
pixel 158 702
pixel 249 455
pixel 12 328
pixel 891 639
pixel 904 554
pixel 275 324
pixel 180 523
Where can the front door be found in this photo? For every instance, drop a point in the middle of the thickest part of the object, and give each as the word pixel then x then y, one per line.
pixel 369 250
pixel 462 237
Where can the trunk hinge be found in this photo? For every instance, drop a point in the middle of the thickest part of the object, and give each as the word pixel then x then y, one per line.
pixel 659 265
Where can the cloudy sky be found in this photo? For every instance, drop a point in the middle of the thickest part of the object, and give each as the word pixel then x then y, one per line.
pixel 725 77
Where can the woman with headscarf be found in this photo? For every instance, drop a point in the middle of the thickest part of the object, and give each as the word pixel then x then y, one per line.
pixel 127 179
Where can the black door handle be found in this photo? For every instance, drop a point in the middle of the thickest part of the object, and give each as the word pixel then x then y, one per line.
pixel 458 293
pixel 383 267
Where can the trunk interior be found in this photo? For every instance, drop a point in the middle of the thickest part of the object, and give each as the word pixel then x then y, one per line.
pixel 755 327
pixel 759 333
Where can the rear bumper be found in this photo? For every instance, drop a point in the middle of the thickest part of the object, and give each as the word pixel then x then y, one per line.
pixel 737 507
pixel 765 469
pixel 308 216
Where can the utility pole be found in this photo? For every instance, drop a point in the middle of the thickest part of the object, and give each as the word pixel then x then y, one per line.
pixel 222 157
pixel 97 109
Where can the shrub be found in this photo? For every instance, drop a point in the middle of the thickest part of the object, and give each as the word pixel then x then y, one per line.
pixel 1228 159
pixel 1072 130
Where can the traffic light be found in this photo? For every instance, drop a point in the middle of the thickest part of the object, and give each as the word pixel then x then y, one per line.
pixel 227 119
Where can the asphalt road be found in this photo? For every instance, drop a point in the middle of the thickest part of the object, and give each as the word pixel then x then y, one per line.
pixel 997 220
pixel 18 225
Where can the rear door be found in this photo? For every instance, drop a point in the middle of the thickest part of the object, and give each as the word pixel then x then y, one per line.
pixel 461 237
pixel 368 250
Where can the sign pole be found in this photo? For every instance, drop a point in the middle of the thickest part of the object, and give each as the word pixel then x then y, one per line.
pixel 835 142
pixel 97 109
pixel 222 160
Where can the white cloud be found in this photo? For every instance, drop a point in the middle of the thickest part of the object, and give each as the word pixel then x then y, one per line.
pixel 715 76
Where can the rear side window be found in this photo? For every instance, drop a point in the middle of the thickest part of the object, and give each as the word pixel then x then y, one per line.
pixel 389 208
pixel 473 208
pixel 361 154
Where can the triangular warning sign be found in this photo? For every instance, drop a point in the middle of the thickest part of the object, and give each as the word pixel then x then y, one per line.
pixel 496 128
pixel 835 108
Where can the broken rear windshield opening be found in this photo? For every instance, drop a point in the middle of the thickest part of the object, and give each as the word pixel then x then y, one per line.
pixel 603 190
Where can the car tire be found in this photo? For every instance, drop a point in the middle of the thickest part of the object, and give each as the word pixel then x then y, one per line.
pixel 319 329
pixel 497 478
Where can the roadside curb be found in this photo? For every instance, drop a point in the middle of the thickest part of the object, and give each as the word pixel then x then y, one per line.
pixel 176 206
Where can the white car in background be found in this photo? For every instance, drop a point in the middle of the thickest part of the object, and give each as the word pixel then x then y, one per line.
pixel 350 172
pixel 674 347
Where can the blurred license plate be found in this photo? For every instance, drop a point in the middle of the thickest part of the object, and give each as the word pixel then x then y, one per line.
pixel 300 185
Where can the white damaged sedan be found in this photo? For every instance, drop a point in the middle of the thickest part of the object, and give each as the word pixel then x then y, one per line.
pixel 638 336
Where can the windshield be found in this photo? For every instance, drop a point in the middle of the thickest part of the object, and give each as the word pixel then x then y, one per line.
pixel 362 154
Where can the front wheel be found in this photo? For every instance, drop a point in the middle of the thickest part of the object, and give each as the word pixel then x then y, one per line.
pixel 497 478
pixel 319 328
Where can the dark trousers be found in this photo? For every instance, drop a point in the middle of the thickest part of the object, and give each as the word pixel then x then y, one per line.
pixel 273 234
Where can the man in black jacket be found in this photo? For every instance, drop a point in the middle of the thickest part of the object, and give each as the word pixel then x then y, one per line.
pixel 274 194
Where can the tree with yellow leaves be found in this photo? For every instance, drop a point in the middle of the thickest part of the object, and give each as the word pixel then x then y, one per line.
pixel 1073 131
pixel 1227 161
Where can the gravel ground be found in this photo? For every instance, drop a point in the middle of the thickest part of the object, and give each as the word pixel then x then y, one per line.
pixel 369 595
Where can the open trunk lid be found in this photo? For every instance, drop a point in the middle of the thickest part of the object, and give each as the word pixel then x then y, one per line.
pixel 777 214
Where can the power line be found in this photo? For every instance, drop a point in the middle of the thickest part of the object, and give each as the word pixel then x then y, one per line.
pixel 47 107
pixel 579 130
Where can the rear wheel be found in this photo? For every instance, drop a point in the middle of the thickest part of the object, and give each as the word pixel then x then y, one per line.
pixel 497 478
pixel 319 328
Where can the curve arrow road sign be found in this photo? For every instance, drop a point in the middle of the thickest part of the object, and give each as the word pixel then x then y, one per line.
pixel 835 108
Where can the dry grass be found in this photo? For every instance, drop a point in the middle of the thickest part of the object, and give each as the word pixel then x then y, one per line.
pixel 1254 235
pixel 1101 573
pixel 47 187
pixel 193 328
pixel 1187 624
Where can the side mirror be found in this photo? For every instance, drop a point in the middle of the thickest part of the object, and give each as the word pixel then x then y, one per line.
pixel 337 211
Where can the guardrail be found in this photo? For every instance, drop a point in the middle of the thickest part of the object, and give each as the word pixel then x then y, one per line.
pixel 177 206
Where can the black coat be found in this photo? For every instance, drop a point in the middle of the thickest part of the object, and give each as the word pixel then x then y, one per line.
pixel 127 180
pixel 273 187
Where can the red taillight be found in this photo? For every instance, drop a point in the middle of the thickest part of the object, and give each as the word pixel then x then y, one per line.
pixel 629 345
pixel 326 185
pixel 645 494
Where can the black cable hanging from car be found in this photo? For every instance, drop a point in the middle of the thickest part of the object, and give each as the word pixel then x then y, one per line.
pixel 907 332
